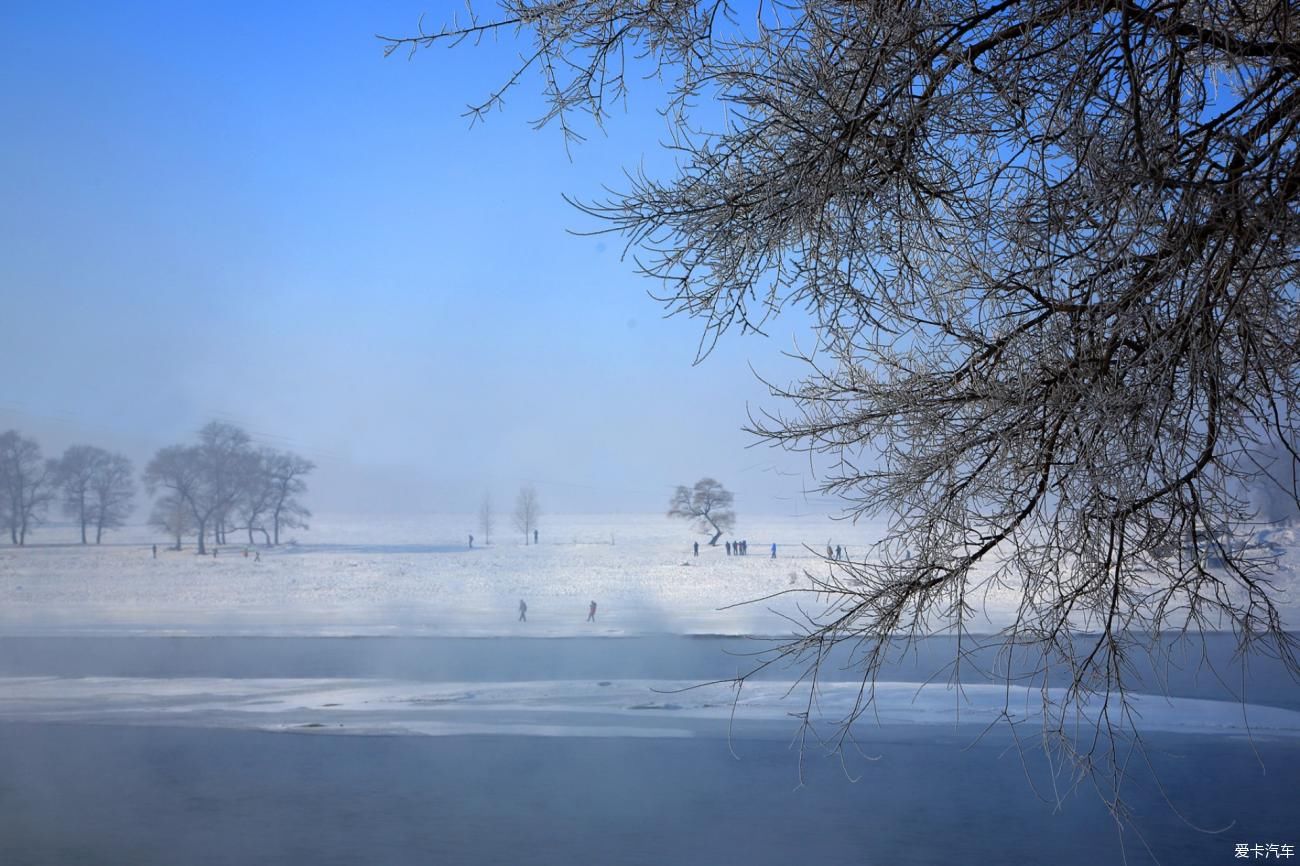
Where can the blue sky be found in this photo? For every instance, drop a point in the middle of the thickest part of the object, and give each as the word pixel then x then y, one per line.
pixel 245 212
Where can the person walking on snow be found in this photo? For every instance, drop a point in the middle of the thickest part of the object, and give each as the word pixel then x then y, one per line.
pixel 697 549
pixel 774 550
pixel 534 536
pixel 591 613
pixel 471 541
pixel 523 611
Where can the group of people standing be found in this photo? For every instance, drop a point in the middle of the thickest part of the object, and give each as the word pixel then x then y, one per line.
pixel 736 548
pixel 257 554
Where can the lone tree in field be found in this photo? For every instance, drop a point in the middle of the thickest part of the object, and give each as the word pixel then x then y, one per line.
pixel 527 512
pixel 486 519
pixel 1050 256
pixel 708 505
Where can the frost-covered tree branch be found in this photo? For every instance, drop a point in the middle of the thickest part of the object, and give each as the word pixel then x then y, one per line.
pixel 1050 253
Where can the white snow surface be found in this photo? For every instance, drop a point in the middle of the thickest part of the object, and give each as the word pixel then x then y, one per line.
pixel 415 575
pixel 648 708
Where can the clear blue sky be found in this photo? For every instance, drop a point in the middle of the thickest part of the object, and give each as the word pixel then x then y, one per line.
pixel 244 211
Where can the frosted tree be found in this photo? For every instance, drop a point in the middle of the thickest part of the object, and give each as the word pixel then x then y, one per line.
pixel 258 496
pixel 486 519
pixel 1049 255
pixel 222 479
pixel 97 489
pixel 75 470
pixel 173 516
pixel 527 512
pixel 288 479
pixel 207 478
pixel 707 506
pixel 111 493
pixel 177 470
pixel 27 484
pixel 228 465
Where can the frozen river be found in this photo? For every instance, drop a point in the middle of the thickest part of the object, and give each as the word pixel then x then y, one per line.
pixel 227 750
pixel 137 797
pixel 1218 676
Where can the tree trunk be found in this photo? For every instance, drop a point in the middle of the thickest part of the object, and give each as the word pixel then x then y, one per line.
pixel 82 515
pixel 717 533
pixel 202 532
pixel 99 533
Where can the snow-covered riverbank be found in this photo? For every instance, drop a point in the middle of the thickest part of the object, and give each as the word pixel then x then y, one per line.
pixel 416 575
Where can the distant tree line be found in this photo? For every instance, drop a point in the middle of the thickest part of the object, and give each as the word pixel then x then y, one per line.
pixel 218 486
pixel 223 485
pixel 94 487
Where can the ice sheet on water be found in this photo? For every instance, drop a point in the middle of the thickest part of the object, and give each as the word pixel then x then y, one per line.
pixel 559 706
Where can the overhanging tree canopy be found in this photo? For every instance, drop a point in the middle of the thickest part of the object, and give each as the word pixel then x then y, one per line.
pixel 1050 253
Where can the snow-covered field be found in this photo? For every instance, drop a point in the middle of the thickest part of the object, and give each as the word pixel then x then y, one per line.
pixel 415 575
